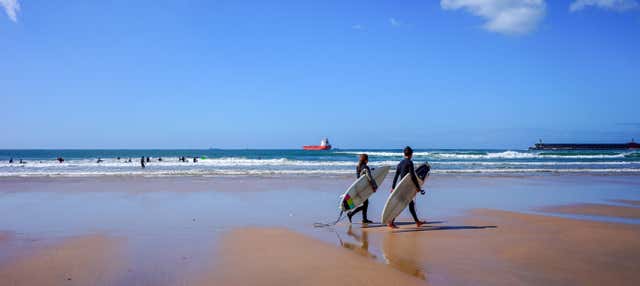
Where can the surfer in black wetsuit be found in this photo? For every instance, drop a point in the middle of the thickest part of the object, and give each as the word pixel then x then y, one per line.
pixel 363 170
pixel 406 167
pixel 142 162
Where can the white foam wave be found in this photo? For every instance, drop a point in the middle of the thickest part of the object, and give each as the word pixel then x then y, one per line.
pixel 524 155
pixel 173 162
pixel 539 170
pixel 533 163
pixel 509 154
pixel 300 172
pixel 382 154
pixel 177 173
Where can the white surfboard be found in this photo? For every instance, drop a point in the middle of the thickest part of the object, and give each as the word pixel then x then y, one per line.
pixel 402 195
pixel 361 190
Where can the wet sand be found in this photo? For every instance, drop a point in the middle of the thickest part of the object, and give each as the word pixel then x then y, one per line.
pixel 90 260
pixel 202 231
pixel 275 256
pixel 596 210
pixel 483 247
pixel 522 249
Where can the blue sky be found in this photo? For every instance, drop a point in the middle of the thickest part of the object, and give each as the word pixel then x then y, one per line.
pixel 378 74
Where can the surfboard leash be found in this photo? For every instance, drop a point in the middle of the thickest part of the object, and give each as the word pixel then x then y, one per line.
pixel 320 224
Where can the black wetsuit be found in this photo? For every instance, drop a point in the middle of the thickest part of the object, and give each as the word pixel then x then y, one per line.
pixel 364 170
pixel 406 167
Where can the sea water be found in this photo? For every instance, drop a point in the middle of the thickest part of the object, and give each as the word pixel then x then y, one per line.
pixel 299 162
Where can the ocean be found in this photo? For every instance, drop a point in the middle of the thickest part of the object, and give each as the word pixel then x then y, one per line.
pixel 298 162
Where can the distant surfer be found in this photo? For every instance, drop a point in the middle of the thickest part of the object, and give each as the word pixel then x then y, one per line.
pixel 60 159
pixel 148 160
pixel 406 167
pixel 99 161
pixel 142 162
pixel 11 161
pixel 363 170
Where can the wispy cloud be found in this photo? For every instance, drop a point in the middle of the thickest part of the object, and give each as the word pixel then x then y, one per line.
pixel 11 7
pixel 614 5
pixel 357 27
pixel 394 22
pixel 511 17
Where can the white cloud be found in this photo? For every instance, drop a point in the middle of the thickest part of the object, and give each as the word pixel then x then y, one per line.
pixel 394 22
pixel 357 27
pixel 503 16
pixel 615 5
pixel 11 7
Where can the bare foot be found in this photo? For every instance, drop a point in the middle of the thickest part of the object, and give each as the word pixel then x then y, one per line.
pixel 392 225
pixel 420 223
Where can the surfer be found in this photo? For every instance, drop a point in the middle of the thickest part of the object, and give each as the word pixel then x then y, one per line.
pixel 142 162
pixel 406 167
pixel 363 170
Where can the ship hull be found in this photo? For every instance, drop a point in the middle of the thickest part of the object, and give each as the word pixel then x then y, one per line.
pixel 316 148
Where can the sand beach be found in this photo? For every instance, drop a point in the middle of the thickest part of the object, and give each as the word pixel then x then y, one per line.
pixel 481 230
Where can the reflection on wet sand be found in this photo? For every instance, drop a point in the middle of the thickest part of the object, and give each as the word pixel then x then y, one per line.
pixel 362 247
pixel 393 255
pixel 403 249
pixel 272 256
pixel 403 258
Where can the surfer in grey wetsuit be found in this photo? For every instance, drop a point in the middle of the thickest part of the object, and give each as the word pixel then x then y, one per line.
pixel 363 170
pixel 406 167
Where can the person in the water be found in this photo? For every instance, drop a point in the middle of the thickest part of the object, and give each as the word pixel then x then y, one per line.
pixel 406 167
pixel 142 162
pixel 363 170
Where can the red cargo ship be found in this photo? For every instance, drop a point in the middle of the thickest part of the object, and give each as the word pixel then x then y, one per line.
pixel 324 145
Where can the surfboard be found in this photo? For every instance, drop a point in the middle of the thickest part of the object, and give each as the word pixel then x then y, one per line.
pixel 402 195
pixel 361 190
